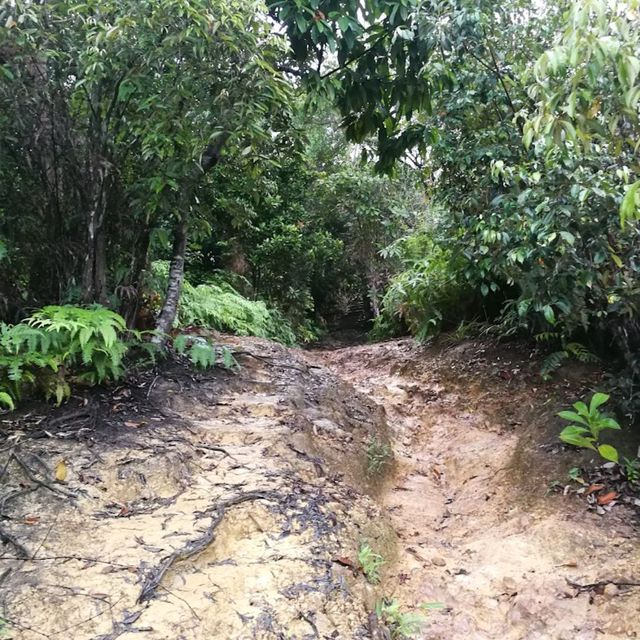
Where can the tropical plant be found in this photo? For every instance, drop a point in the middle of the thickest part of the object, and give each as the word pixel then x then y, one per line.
pixel 401 624
pixel 586 425
pixel 370 563
pixel 57 344
pixel 378 456
pixel 204 354
pixel 632 470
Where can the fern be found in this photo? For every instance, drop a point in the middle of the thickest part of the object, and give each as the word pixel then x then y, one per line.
pixel 90 337
pixel 58 342
pixel 221 307
pixel 204 354
pixel 580 352
pixel 552 363
pixel 556 359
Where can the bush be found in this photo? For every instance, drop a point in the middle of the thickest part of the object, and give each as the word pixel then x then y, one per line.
pixel 221 307
pixel 428 295
pixel 58 343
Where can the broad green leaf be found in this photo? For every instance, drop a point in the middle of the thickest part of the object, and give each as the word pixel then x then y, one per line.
pixel 608 452
pixel 572 417
pixel 598 400
pixel 574 435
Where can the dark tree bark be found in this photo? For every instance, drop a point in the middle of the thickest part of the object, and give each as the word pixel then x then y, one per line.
pixel 167 316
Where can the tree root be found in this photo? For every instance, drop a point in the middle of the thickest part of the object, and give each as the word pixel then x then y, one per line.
pixel 594 586
pixel 7 538
pixel 193 547
pixel 32 476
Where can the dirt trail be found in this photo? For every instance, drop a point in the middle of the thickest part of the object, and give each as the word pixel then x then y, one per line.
pixel 232 505
pixel 477 530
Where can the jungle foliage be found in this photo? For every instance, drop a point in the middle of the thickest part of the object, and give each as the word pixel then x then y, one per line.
pixel 421 162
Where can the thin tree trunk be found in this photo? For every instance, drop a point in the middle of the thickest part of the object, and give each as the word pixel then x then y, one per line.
pixel 131 299
pixel 176 277
pixel 210 159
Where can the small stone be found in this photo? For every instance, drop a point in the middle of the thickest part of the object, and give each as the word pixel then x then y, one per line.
pixel 438 561
pixel 611 590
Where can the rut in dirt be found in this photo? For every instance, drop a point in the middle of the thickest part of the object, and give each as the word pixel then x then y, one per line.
pixel 233 505
pixel 476 450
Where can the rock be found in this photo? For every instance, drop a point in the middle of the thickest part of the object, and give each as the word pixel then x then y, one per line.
pixel 438 561
pixel 611 590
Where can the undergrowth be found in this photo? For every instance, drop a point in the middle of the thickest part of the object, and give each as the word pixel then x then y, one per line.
pixel 219 306
pixel 370 563
pixel 63 345
pixel 58 344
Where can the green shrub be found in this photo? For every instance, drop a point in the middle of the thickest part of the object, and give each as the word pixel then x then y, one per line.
pixel 586 425
pixel 378 456
pixel 401 624
pixel 221 307
pixel 202 353
pixel 56 344
pixel 370 563
pixel 427 295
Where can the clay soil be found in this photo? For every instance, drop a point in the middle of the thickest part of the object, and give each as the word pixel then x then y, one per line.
pixel 233 504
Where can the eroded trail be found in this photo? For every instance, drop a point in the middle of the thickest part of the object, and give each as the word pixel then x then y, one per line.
pixel 476 528
pixel 232 505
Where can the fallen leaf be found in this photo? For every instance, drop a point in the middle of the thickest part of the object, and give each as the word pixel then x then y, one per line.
pixel 594 487
pixel 61 471
pixel 31 520
pixel 344 562
pixel 132 425
pixel 607 497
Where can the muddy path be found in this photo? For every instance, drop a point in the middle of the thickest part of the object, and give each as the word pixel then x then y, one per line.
pixel 233 504
pixel 475 430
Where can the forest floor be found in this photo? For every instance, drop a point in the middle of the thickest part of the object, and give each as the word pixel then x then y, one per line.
pixel 233 504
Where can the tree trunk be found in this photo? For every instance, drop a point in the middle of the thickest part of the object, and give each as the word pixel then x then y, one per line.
pixel 209 159
pixel 94 276
pixel 176 277
pixel 132 289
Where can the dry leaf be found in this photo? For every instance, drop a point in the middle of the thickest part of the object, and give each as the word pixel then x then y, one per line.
pixel 31 520
pixel 61 471
pixel 132 425
pixel 594 487
pixel 345 562
pixel 607 498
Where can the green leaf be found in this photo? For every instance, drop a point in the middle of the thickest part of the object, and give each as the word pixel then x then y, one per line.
pixel 598 400
pixel 630 206
pixel 608 452
pixel 6 400
pixel 581 408
pixel 549 315
pixel 574 435
pixel 572 417
pixel 608 423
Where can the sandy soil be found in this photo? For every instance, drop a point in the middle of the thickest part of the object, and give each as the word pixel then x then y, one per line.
pixel 233 505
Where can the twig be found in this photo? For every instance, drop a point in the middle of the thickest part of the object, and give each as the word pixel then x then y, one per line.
pixel 177 597
pixel 35 553
pixel 4 575
pixel 193 547
pixel 603 583
pixel 78 558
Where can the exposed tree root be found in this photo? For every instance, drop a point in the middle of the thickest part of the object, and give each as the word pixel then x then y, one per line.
pixel 7 538
pixel 193 547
